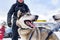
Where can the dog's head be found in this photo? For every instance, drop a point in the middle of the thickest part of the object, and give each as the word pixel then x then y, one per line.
pixel 56 17
pixel 26 21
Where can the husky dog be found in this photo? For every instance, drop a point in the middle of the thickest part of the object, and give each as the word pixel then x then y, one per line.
pixel 56 17
pixel 28 31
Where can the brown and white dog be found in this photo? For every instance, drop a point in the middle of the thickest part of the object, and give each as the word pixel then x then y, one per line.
pixel 28 31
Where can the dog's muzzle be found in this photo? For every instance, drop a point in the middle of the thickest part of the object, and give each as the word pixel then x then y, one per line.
pixel 30 22
pixel 56 18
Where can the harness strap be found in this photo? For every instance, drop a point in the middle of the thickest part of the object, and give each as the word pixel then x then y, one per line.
pixel 31 35
pixel 50 33
pixel 24 28
pixel 56 29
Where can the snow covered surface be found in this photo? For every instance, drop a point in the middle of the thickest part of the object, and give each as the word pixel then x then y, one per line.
pixel 8 39
pixel 58 34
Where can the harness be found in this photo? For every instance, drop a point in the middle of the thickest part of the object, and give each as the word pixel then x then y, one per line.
pixel 36 32
pixel 31 35
pixel 24 28
pixel 50 33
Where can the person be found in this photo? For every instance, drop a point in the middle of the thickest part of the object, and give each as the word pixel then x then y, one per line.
pixel 2 29
pixel 19 5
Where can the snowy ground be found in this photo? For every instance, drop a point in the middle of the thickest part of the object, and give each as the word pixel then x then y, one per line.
pixel 57 33
pixel 8 39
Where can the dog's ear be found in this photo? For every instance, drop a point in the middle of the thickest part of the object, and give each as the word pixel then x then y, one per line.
pixel 19 13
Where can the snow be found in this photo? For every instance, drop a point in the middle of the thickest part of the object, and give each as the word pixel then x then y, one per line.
pixel 58 34
pixel 8 39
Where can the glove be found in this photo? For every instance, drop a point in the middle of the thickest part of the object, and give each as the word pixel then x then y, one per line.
pixel 9 24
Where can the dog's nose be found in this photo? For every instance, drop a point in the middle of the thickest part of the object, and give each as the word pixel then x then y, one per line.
pixel 36 16
pixel 54 16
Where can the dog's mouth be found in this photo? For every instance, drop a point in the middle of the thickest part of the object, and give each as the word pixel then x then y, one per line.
pixel 29 23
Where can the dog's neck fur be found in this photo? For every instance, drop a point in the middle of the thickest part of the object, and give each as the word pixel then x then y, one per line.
pixel 24 34
pixel 36 34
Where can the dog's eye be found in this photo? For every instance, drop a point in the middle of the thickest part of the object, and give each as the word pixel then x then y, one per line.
pixel 28 14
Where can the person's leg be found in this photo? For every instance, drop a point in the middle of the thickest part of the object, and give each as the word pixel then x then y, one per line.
pixel 14 32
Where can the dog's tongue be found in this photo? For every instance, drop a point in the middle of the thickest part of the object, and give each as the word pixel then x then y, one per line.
pixel 32 25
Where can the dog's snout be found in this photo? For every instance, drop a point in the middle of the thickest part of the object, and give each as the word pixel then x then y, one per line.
pixel 36 16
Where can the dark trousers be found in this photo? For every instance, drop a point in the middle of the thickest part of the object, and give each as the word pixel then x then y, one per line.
pixel 14 31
